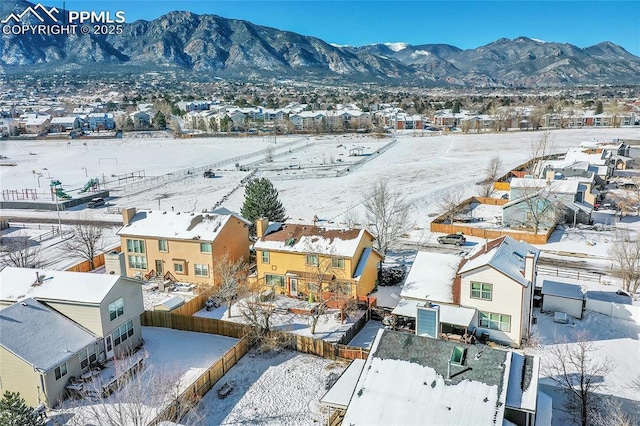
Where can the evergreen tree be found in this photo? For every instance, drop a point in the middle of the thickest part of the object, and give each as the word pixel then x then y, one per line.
pixel 599 107
pixel 261 201
pixel 15 412
pixel 159 120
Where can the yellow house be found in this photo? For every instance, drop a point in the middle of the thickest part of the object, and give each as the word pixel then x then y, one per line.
pixel 182 246
pixel 306 260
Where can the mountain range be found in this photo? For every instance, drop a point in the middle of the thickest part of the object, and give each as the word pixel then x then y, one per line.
pixel 211 46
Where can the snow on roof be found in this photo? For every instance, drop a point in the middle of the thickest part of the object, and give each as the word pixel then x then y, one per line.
pixel 41 336
pixel 504 254
pixel 340 393
pixel 63 120
pixel 178 225
pixel 404 382
pixel 19 283
pixel 559 289
pixel 522 390
pixel 579 154
pixel 431 277
pixel 555 186
pixel 170 304
pixel 297 238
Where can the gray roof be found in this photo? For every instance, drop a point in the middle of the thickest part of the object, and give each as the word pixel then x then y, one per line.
pixel 566 290
pixel 41 336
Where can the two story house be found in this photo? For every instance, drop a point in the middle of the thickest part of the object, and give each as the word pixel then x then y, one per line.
pixel 108 306
pixel 184 245
pixel 306 260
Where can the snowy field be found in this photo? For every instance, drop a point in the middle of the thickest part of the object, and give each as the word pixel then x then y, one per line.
pixel 329 326
pixel 171 358
pixel 282 388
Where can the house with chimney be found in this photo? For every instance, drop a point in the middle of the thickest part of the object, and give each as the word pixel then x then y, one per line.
pixel 307 261
pixel 414 380
pixel 488 295
pixel 181 246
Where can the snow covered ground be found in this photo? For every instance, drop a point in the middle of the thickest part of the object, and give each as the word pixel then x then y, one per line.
pixel 282 388
pixel 169 355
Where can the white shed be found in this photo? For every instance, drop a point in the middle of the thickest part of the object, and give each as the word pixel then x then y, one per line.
pixel 562 297
pixel 169 304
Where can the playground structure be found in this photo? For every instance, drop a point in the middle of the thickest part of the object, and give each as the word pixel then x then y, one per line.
pixel 93 185
pixel 56 188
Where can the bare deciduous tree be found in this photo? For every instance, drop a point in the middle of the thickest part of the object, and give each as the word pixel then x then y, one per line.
pixel 537 207
pixel 625 254
pixel 492 171
pixel 450 202
pixel 259 315
pixel 577 369
pixel 87 241
pixel 20 251
pixel 387 214
pixel 540 147
pixel 231 281
pixel 486 189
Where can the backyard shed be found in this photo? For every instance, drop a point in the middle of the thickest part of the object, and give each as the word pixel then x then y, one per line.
pixel 562 297
pixel 169 304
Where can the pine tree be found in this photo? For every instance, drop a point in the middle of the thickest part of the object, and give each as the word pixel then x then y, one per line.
pixel 261 201
pixel 15 412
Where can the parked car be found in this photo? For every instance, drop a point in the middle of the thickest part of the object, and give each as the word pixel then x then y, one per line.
pixel 209 174
pixel 96 202
pixel 457 239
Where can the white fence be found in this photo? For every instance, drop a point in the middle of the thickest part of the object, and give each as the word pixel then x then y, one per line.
pixel 616 310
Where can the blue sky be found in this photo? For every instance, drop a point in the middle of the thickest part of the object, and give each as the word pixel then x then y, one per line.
pixel 465 24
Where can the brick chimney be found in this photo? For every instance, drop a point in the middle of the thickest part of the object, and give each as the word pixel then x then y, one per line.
pixel 127 215
pixel 530 267
pixel 261 226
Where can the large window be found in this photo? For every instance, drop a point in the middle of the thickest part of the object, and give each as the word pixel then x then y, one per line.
pixel 135 246
pixel 116 309
pixel 481 291
pixel 312 259
pixel 495 321
pixel 61 371
pixel 265 256
pixel 205 247
pixel 163 245
pixel 337 262
pixel 88 356
pixel 137 262
pixel 123 333
pixel 274 280
pixel 202 270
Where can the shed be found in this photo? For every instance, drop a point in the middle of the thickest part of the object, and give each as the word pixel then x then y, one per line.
pixel 562 297
pixel 169 304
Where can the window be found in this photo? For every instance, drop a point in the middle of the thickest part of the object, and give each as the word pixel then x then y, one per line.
pixel 313 287
pixel 122 333
pixel 274 280
pixel 481 291
pixel 135 246
pixel 88 356
pixel 178 267
pixel 116 309
pixel 202 270
pixel 163 245
pixel 61 371
pixel 312 259
pixel 205 247
pixel 495 321
pixel 137 262
pixel 337 262
pixel 265 256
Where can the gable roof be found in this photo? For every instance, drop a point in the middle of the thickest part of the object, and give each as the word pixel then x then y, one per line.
pixel 296 238
pixel 19 283
pixel 431 277
pixel 178 225
pixel 505 255
pixel 522 391
pixel 41 336
pixel 421 392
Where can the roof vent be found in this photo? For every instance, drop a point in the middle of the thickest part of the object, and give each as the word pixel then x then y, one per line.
pixel 178 213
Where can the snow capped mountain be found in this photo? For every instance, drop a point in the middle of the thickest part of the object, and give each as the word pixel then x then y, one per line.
pixel 397 46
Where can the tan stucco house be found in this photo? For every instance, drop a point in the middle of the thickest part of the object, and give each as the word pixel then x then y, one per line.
pixel 181 246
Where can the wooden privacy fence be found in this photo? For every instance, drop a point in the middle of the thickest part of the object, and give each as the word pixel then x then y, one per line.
pixel 203 383
pixel 191 323
pixel 192 306
pixel 98 261
pixel 527 237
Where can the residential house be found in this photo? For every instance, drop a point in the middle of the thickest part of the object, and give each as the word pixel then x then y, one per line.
pixel 141 120
pixel 182 246
pixel 415 380
pixel 108 306
pixel 305 260
pixel 35 123
pixel 498 281
pixel 101 121
pixel 40 349
pixel 64 124
pixel 8 126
